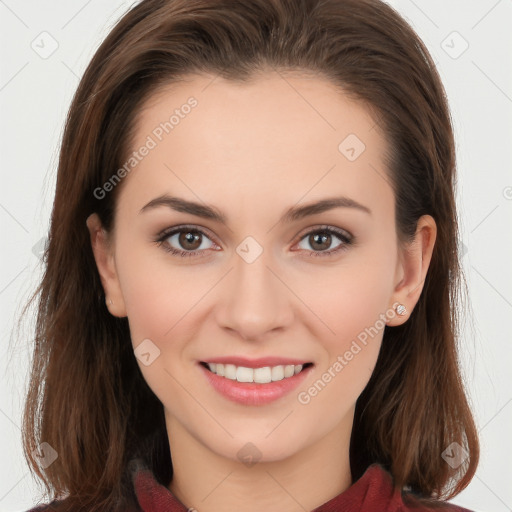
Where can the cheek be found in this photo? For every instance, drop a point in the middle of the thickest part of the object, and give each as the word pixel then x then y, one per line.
pixel 157 294
pixel 149 306
pixel 350 302
pixel 357 319
pixel 348 299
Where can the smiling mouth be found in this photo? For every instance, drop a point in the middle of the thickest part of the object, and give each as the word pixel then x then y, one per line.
pixel 261 375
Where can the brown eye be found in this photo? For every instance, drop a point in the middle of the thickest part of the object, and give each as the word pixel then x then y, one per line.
pixel 321 241
pixel 190 240
pixel 185 241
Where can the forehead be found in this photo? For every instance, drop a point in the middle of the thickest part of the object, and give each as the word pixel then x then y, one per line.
pixel 280 135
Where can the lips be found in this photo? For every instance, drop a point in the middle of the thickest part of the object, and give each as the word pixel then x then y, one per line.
pixel 255 393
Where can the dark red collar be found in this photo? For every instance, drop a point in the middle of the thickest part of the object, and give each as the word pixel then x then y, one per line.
pixel 373 492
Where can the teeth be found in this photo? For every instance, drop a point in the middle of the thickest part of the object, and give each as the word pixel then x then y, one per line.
pixel 230 371
pixel 277 373
pixel 258 375
pixel 245 374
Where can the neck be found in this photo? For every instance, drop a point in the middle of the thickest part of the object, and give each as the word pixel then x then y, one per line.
pixel 206 481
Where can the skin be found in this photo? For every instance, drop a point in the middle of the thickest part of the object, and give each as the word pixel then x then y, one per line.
pixel 252 151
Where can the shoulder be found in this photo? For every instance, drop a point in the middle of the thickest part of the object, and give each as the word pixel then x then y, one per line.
pixel 397 500
pixel 48 507
pixel 41 508
pixel 54 506
pixel 439 506
pixel 411 503
pixel 64 505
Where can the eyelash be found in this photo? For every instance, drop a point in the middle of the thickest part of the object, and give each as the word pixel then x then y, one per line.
pixel 344 236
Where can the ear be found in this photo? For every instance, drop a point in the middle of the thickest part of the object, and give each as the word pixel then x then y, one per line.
pixel 413 262
pixel 104 255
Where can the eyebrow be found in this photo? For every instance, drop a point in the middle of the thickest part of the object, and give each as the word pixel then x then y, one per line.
pixel 292 214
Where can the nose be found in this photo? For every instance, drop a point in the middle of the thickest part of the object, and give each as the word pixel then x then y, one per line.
pixel 255 300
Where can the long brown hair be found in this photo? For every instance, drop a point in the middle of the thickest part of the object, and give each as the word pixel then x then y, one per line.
pixel 87 398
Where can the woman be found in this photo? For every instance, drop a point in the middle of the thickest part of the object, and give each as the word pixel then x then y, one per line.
pixel 250 295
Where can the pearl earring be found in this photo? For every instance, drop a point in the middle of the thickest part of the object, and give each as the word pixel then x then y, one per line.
pixel 401 310
pixel 110 301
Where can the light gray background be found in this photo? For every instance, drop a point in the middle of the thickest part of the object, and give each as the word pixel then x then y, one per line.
pixel 35 94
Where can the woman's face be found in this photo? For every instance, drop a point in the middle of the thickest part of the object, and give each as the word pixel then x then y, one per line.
pixel 261 283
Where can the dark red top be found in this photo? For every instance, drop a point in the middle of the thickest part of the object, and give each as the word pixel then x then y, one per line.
pixel 373 492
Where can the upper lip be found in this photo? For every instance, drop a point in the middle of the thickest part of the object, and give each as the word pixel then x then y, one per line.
pixel 255 363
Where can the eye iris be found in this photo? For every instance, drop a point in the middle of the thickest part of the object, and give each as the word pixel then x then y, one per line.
pixel 318 239
pixel 189 237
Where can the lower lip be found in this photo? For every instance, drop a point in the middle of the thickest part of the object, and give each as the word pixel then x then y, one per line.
pixel 250 393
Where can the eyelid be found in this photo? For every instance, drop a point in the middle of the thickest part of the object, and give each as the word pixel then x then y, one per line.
pixel 326 227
